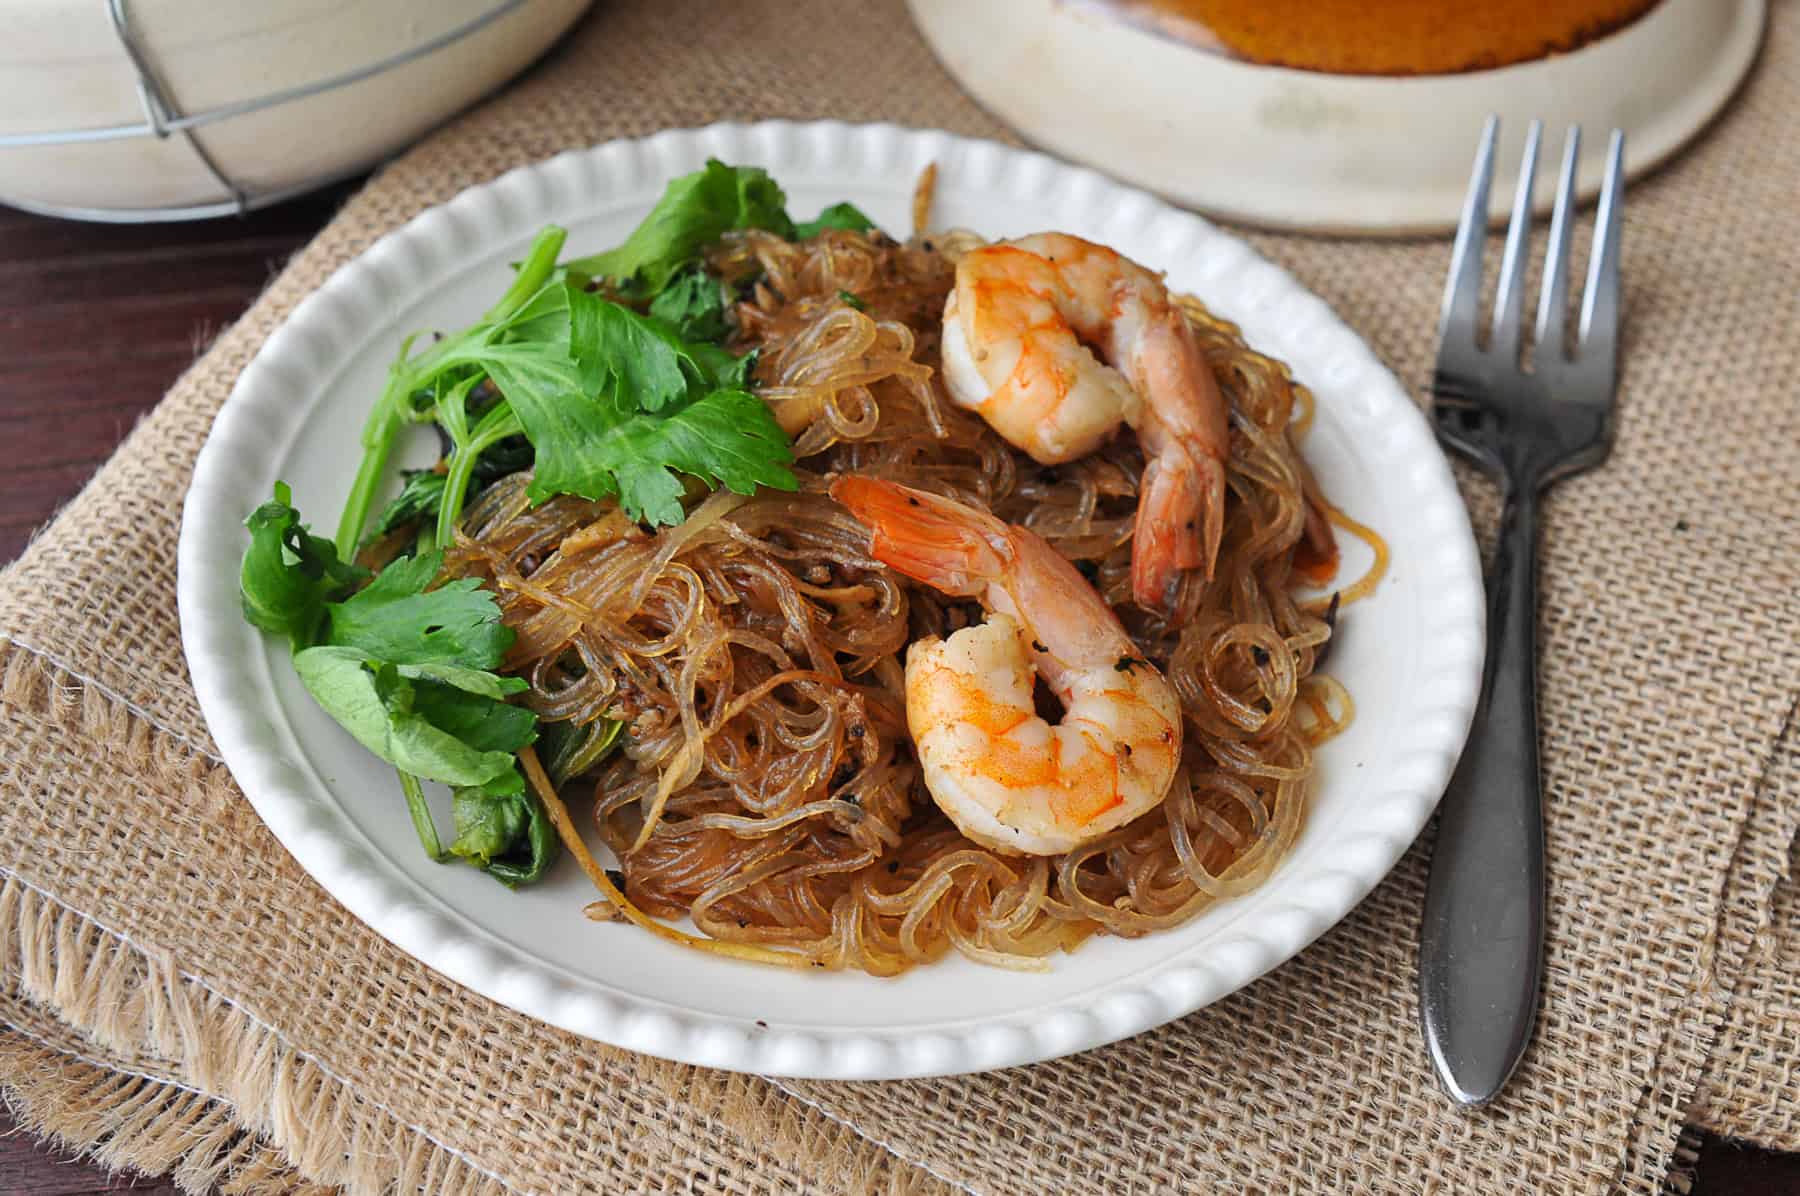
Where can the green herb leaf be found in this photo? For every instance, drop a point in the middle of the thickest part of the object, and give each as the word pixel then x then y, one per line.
pixel 395 619
pixel 838 215
pixel 694 305
pixel 490 818
pixel 851 300
pixel 408 376
pixel 693 212
pixel 541 365
pixel 568 750
pixel 482 722
pixel 381 708
pixel 724 436
pixel 418 501
pixel 543 317
pixel 631 402
pixel 406 671
pixel 289 574
pixel 503 829
pixel 542 846
pixel 638 360
pixel 724 368
pixel 473 681
pixel 727 437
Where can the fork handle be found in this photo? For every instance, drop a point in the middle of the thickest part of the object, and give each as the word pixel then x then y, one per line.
pixel 1481 945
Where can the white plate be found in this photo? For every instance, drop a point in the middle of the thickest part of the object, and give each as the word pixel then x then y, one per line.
pixel 1333 153
pixel 1411 655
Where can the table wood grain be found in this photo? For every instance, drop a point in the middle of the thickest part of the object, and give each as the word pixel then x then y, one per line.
pixel 96 321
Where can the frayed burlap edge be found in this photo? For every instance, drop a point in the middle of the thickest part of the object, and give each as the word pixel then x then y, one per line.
pixel 1739 1095
pixel 1684 1163
pixel 1746 896
pixel 134 1001
pixel 124 1121
pixel 129 1001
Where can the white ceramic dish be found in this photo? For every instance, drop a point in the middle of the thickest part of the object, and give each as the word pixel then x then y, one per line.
pixel 1331 153
pixel 292 93
pixel 1411 655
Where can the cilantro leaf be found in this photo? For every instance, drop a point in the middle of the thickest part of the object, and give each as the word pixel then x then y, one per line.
pixel 489 818
pixel 694 305
pixel 382 709
pixel 395 619
pixel 483 723
pixel 614 347
pixel 569 750
pixel 502 829
pixel 410 375
pixel 724 436
pixel 838 215
pixel 629 404
pixel 724 368
pixel 694 211
pixel 418 501
pixel 289 574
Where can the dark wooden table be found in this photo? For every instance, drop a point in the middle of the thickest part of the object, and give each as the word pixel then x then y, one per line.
pixel 95 322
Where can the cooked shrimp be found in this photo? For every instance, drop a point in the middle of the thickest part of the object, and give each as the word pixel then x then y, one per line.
pixel 1004 775
pixel 1016 333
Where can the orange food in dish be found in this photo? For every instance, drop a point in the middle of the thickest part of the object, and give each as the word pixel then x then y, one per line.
pixel 1393 37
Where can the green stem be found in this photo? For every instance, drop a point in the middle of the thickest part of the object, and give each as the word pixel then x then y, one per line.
pixel 495 426
pixel 534 272
pixel 383 429
pixel 408 374
pixel 421 818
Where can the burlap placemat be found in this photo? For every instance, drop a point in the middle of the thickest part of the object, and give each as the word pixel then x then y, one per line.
pixel 145 906
pixel 1751 1086
pixel 129 1110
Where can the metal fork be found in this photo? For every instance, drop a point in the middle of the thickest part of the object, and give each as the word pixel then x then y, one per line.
pixel 1481 939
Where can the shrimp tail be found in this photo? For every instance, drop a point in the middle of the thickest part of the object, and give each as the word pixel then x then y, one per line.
pixel 944 544
pixel 1212 513
pixel 1180 521
pixel 1321 546
pixel 1319 539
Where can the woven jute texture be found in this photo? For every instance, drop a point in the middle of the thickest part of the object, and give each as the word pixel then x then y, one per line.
pixel 146 909
pixel 125 1110
pixel 1751 1087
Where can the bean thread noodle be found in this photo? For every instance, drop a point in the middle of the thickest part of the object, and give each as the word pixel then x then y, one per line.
pixel 766 786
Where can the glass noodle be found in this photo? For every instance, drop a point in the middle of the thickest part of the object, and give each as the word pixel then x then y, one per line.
pixel 766 786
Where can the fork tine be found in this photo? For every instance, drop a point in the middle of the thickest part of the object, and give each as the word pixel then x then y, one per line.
pixel 1553 305
pixel 1600 303
pixel 1462 294
pixel 1510 298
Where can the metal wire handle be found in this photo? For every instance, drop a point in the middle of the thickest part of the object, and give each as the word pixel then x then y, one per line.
pixel 163 118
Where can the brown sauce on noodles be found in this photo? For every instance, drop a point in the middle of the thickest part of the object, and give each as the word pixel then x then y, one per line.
pixel 767 785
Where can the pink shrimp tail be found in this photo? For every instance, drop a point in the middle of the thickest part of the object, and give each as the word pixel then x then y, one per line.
pixel 1180 521
pixel 945 544
pixel 1316 556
